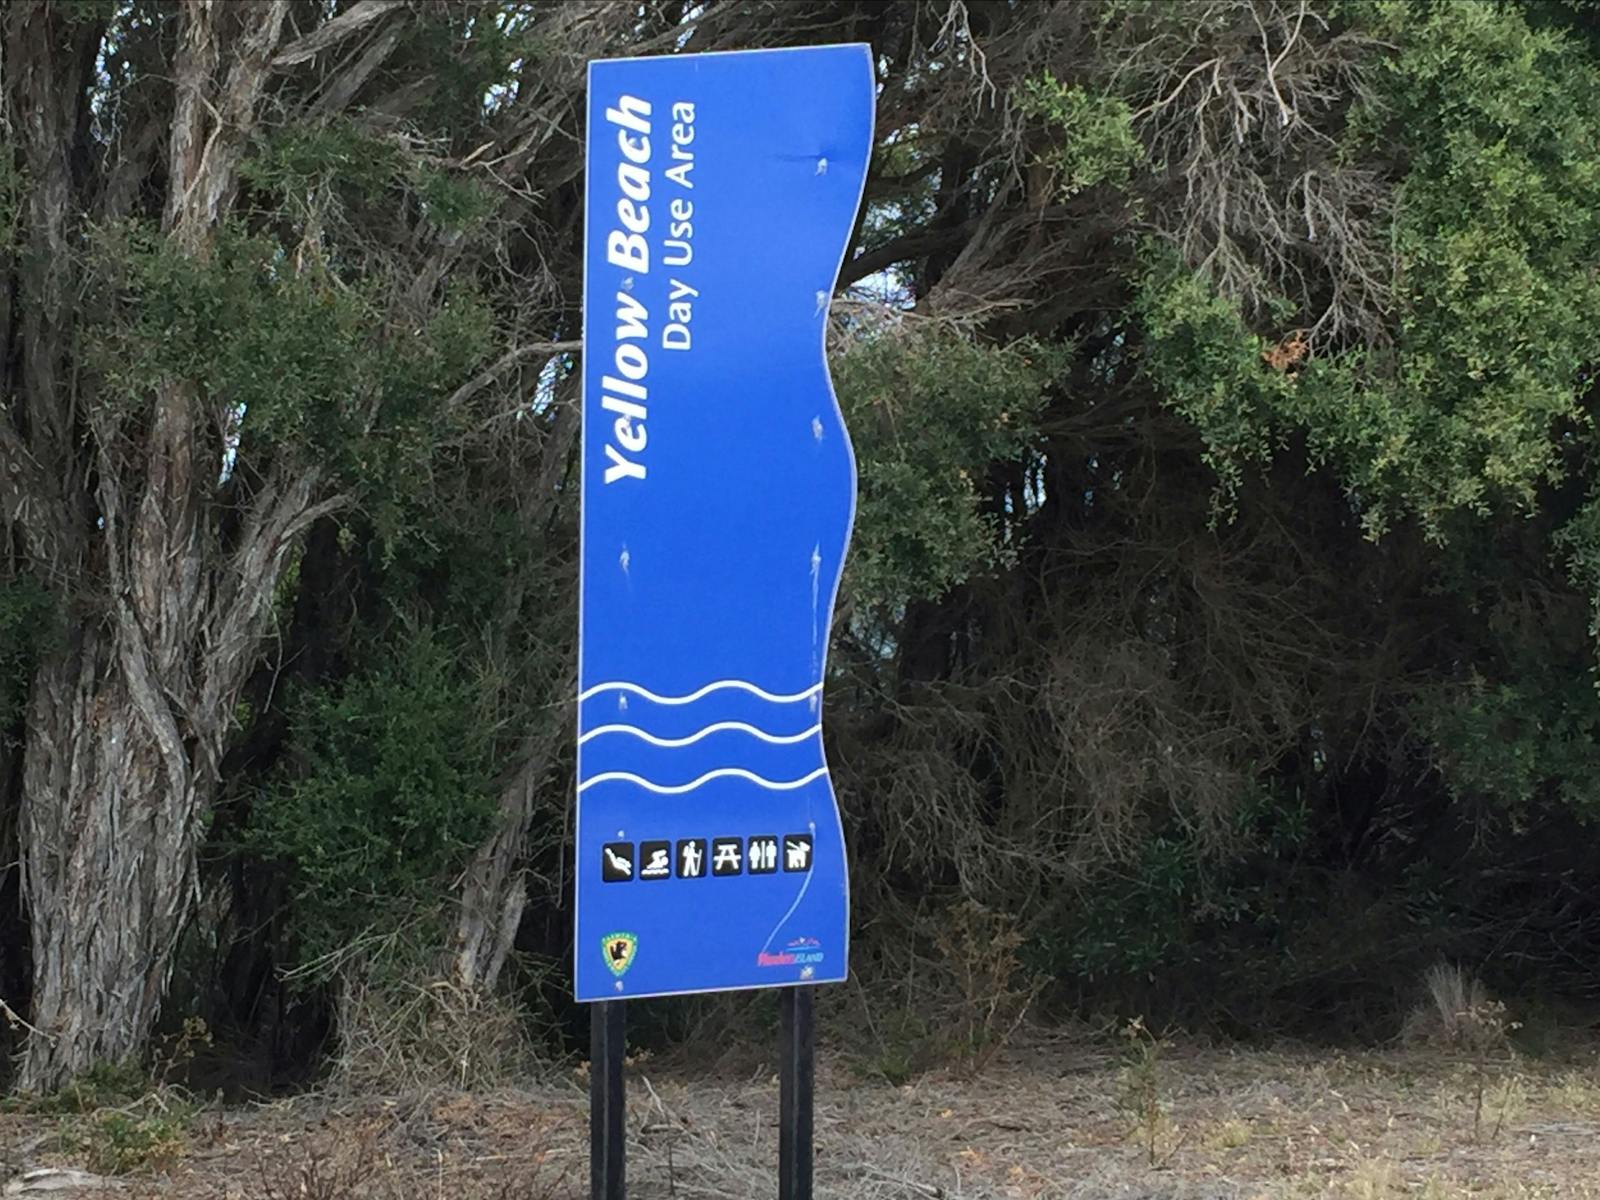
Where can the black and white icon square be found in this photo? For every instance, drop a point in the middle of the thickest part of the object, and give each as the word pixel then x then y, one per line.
pixel 763 854
pixel 797 851
pixel 655 860
pixel 616 862
pixel 727 856
pixel 691 858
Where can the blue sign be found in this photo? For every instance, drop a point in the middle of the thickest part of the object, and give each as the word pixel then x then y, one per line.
pixel 718 493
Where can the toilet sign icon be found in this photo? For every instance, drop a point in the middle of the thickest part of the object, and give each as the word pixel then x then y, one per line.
pixel 763 855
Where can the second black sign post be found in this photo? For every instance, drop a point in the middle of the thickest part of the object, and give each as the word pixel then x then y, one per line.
pixel 797 1044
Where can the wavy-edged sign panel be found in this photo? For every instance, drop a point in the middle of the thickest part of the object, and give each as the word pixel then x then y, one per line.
pixel 718 493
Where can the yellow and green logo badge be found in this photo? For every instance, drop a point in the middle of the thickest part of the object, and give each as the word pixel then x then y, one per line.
pixel 620 949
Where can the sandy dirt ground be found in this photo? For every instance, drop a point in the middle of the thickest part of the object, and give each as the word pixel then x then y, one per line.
pixel 1050 1117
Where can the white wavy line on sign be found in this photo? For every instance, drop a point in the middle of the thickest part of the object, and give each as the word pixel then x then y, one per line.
pixel 742 685
pixel 776 739
pixel 775 785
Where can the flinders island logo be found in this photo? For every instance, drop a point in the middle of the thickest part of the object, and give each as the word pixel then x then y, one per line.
pixel 619 950
pixel 805 951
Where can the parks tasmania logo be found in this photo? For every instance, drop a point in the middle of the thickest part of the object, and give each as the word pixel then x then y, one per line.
pixel 619 949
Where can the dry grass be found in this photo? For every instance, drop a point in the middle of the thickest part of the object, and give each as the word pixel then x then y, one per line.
pixel 423 1036
pixel 1457 1012
pixel 1044 1122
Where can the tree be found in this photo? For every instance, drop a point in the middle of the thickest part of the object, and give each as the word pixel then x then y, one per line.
pixel 213 346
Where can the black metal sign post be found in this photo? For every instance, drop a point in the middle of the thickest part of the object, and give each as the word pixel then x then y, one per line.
pixel 607 1126
pixel 797 1045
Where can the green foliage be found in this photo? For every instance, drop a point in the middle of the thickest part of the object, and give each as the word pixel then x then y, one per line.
pixel 78 11
pixel 1578 543
pixel 1178 896
pixel 305 169
pixel 1207 364
pixel 297 160
pixel 27 627
pixel 476 60
pixel 120 1143
pixel 310 364
pixel 904 1047
pixel 1495 237
pixel 453 201
pixel 1521 744
pixel 390 788
pixel 928 410
pixel 105 1085
pixel 116 1117
pixel 1141 922
pixel 1096 142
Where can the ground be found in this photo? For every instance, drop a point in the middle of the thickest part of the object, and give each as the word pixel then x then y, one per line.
pixel 1052 1116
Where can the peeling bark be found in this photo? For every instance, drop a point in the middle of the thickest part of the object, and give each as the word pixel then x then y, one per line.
pixel 128 720
pixel 493 889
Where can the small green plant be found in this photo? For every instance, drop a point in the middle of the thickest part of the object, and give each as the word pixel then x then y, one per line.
pixel 1141 1098
pixel 1460 1015
pixel 119 1143
pixel 980 948
pixel 121 1118
pixel 901 1049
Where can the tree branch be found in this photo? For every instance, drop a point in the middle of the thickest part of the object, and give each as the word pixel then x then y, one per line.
pixel 349 81
pixel 334 32
pixel 901 249
pixel 503 364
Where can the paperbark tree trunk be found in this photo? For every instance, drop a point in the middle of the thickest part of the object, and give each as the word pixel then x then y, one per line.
pixel 494 888
pixel 109 857
pixel 126 727
pixel 168 600
pixel 494 891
